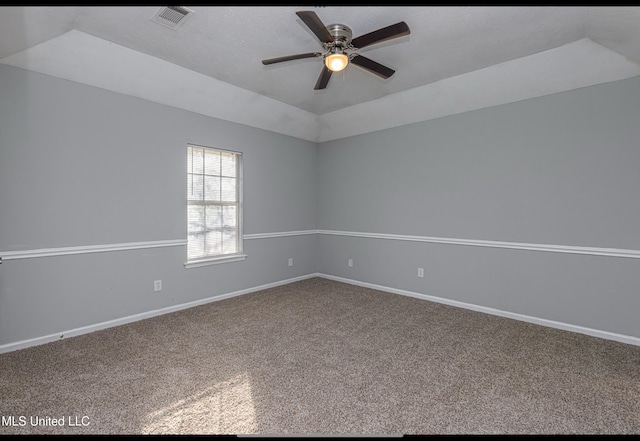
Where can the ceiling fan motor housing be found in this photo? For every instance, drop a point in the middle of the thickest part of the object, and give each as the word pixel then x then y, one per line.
pixel 336 39
pixel 341 35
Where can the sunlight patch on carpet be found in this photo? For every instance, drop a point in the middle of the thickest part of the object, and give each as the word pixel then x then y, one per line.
pixel 227 407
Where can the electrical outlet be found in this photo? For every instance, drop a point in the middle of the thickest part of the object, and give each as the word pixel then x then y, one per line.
pixel 290 261
pixel 350 262
pixel 420 272
pixel 157 285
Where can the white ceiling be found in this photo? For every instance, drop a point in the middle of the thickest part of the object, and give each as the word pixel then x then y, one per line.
pixel 455 59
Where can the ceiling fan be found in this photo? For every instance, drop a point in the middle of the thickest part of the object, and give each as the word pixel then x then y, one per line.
pixel 339 47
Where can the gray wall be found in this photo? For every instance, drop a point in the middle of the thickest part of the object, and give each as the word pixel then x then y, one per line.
pixel 558 170
pixel 83 166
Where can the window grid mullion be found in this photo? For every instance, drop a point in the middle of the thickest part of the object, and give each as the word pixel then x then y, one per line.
pixel 220 177
pixel 226 203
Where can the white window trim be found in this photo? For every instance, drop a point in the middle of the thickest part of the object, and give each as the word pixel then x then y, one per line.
pixel 226 258
pixel 215 260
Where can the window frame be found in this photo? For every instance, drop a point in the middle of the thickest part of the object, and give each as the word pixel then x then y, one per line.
pixel 219 258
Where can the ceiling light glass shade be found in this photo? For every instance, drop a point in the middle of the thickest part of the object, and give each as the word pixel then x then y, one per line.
pixel 336 62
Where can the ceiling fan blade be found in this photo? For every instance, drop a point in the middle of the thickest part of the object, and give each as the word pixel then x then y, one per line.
pixel 314 23
pixel 383 34
pixel 372 66
pixel 323 79
pixel 291 57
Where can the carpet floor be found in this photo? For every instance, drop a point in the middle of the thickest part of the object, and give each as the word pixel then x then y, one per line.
pixel 321 357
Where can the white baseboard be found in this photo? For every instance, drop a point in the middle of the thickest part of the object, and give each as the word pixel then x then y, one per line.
pixel 141 316
pixel 525 318
pixel 133 318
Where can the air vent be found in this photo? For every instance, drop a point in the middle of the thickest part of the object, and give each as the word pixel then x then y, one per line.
pixel 172 16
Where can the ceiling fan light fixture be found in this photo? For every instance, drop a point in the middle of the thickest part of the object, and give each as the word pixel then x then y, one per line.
pixel 336 62
pixel 336 41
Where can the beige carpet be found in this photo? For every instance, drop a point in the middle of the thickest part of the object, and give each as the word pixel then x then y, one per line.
pixel 321 357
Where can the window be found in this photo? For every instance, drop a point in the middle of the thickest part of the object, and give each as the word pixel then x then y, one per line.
pixel 214 206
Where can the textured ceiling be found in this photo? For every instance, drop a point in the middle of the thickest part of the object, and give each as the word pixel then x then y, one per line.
pixel 458 51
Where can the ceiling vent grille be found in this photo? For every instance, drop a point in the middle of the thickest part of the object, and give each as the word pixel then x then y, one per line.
pixel 172 16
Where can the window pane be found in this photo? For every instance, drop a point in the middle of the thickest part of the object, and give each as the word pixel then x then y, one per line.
pixel 228 189
pixel 195 246
pixel 229 242
pixel 211 188
pixel 213 243
pixel 228 164
pixel 214 217
pixel 229 218
pixel 195 217
pixel 197 160
pixel 195 187
pixel 212 163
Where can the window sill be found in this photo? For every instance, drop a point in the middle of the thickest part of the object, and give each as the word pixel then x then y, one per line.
pixel 215 260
